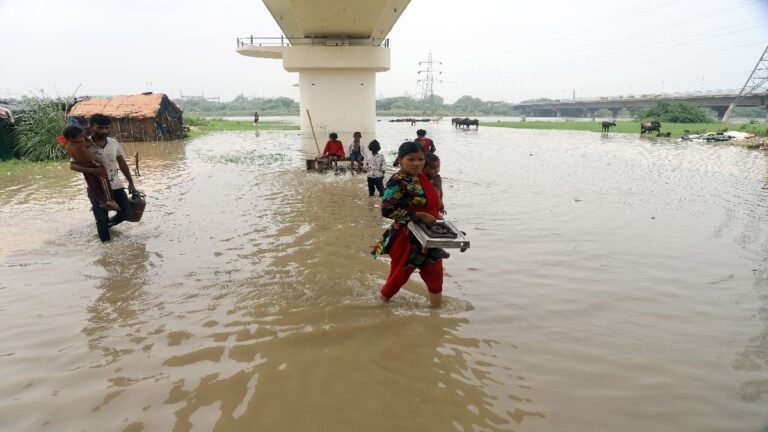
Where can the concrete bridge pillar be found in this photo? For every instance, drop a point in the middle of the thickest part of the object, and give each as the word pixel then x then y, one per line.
pixel 615 112
pixel 720 110
pixel 337 47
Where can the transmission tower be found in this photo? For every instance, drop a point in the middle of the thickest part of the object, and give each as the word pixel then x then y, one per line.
pixel 756 84
pixel 427 81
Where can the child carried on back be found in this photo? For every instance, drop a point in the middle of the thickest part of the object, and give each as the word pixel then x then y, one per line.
pixel 76 144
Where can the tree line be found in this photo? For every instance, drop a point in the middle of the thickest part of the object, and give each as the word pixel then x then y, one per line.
pixel 396 106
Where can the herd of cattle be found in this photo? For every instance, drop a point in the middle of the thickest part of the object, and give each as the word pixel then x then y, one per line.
pixel 465 122
pixel 458 122
pixel 645 127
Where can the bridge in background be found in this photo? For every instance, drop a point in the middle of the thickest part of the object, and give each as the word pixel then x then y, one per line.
pixel 586 107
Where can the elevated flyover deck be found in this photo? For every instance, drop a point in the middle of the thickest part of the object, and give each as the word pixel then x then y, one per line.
pixel 336 47
pixel 586 107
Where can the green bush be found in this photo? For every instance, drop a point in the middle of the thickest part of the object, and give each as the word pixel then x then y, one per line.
pixel 675 112
pixel 37 129
pixel 191 120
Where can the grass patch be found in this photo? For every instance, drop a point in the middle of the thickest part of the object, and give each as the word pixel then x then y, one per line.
pixel 677 129
pixel 200 126
pixel 15 166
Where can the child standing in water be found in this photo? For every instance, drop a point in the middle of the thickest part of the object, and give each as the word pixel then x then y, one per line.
pixel 410 197
pixel 76 145
pixel 374 166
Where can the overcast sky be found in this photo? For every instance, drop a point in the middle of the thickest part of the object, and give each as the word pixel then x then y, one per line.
pixel 492 49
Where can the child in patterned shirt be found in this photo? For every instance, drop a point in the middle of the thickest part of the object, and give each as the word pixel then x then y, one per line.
pixel 374 166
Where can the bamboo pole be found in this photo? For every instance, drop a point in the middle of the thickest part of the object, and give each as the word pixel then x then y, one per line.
pixel 313 132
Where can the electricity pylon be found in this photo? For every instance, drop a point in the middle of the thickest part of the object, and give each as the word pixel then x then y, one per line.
pixel 427 82
pixel 756 83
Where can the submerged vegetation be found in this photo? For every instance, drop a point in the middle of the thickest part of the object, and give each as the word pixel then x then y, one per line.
pixel 254 158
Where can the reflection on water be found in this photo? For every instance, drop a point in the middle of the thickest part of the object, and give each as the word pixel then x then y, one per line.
pixel 613 284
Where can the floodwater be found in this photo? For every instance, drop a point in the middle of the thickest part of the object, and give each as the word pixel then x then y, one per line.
pixel 613 284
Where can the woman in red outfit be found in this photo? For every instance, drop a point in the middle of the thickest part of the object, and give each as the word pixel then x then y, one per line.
pixel 409 197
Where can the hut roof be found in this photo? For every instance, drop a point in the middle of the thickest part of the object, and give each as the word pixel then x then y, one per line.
pixel 130 106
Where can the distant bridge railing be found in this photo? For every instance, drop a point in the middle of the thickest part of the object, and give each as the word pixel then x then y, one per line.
pixel 310 41
pixel 648 96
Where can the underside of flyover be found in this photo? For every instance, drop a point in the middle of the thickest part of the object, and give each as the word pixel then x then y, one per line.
pixel 336 47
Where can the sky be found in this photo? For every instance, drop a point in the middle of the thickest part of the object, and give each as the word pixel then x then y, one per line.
pixel 501 50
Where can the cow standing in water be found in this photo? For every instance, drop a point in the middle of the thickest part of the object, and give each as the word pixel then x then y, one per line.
pixel 607 125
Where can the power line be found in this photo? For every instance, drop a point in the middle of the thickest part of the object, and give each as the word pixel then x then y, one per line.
pixel 654 62
pixel 610 57
pixel 611 22
pixel 633 36
pixel 710 33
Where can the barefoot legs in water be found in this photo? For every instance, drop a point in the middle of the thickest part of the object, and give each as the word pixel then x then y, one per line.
pixel 435 299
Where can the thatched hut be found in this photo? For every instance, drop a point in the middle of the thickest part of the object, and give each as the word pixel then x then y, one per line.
pixel 143 117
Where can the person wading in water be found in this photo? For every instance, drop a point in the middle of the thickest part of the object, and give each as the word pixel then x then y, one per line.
pixel 408 198
pixel 109 153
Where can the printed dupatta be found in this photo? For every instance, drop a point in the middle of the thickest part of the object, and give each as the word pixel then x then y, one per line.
pixel 403 197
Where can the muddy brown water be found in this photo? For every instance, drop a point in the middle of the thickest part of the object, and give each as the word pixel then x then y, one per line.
pixel 613 284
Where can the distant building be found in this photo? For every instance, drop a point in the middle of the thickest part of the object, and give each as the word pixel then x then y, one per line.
pixel 142 117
